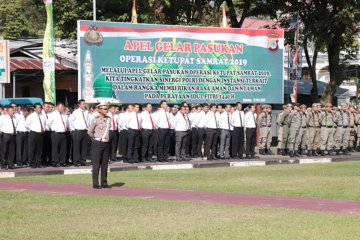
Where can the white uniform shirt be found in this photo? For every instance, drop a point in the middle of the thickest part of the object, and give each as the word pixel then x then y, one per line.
pixel 146 120
pixel 133 121
pixel 250 120
pixel 6 125
pixel 235 119
pixel 163 119
pixel 211 120
pixel 225 121
pixel 194 118
pixel 201 122
pixel 46 116
pixel 20 119
pixel 58 122
pixel 123 120
pixel 181 122
pixel 35 122
pixel 114 121
pixel 79 120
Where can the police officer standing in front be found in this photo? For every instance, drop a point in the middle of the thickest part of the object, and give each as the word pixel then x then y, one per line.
pixel 99 133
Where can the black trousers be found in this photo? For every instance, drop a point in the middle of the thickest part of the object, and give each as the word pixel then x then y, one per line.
pixel 47 153
pixel 211 142
pixel 194 141
pixel 8 150
pixel 164 136
pixel 201 140
pixel 100 159
pixel 69 146
pixel 237 142
pixel 22 148
pixel 59 146
pixel 156 142
pixel 123 143
pixel 35 146
pixel 171 151
pixel 113 141
pixel 250 141
pixel 133 145
pixel 147 144
pixel 80 146
pixel 182 139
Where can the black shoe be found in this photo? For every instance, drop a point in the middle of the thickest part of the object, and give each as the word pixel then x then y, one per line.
pixel 314 153
pixel 322 153
pixel 296 154
pixel 269 152
pixel 209 158
pixel 96 187
pixel 248 157
pixel 12 167
pixel 292 154
pixel 222 158
pixel 309 153
pixel 346 152
pixel 63 165
pixel 83 164
pixel 106 186
pixel 283 152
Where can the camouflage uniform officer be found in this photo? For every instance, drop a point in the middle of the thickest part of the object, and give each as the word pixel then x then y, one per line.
pixel 294 123
pixel 352 130
pixel 280 131
pixel 327 130
pixel 342 133
pixel 312 121
pixel 285 133
pixel 303 130
pixel 357 124
pixel 262 123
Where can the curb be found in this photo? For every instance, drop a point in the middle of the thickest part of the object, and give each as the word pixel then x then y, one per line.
pixel 179 166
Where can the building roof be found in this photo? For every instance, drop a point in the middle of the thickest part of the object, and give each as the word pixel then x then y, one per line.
pixel 32 64
pixel 260 24
pixel 305 86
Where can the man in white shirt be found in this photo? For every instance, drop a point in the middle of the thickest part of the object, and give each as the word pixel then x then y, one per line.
pixel 194 118
pixel 237 121
pixel 113 133
pixel 226 128
pixel 250 125
pixel 79 123
pixel 211 125
pixel 58 123
pixel 201 129
pixel 22 135
pixel 47 152
pixel 134 129
pixel 147 132
pixel 181 125
pixel 123 134
pixel 8 132
pixel 163 124
pixel 35 123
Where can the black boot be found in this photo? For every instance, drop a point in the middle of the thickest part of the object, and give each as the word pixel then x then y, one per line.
pixel 291 153
pixel 337 152
pixel 261 151
pixel 279 151
pixel 296 154
pixel 322 153
pixel 331 153
pixel 346 152
pixel 283 152
pixel 314 153
pixel 309 153
pixel 358 148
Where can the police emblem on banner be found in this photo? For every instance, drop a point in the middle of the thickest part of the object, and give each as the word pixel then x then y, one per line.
pixel 273 42
pixel 93 37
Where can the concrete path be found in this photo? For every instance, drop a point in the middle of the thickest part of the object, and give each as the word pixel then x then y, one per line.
pixel 314 204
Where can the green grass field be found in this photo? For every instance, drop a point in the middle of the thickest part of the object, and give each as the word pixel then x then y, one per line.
pixel 334 180
pixel 25 215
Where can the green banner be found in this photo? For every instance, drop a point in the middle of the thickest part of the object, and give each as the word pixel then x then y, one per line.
pixel 142 63
pixel 49 55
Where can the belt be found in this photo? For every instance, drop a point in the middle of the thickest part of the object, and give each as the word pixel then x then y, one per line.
pixel 59 132
pixel 343 126
pixel 164 128
pixel 113 130
pixel 144 129
pixel 101 140
pixel 134 129
pixel 303 127
pixel 352 127
pixel 327 126
pixel 314 126
pixel 36 132
pixel 21 132
pixel 11 134
pixel 80 130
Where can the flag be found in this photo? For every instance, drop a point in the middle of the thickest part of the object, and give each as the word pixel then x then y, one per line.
pixel 49 55
pixel 133 13
pixel 294 21
pixel 295 90
pixel 224 18
pixel 296 58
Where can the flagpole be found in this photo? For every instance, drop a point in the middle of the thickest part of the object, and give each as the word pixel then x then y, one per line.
pixel 94 10
pixel 297 56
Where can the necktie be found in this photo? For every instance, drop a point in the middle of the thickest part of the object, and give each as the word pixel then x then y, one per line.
pixel 254 119
pixel 167 119
pixel 152 123
pixel 216 123
pixel 228 116
pixel 84 118
pixel 137 120
pixel 12 121
pixel 62 120
pixel 41 126
pixel 240 119
pixel 186 122
pixel 113 122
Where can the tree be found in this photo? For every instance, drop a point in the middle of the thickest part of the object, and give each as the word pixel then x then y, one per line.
pixel 332 24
